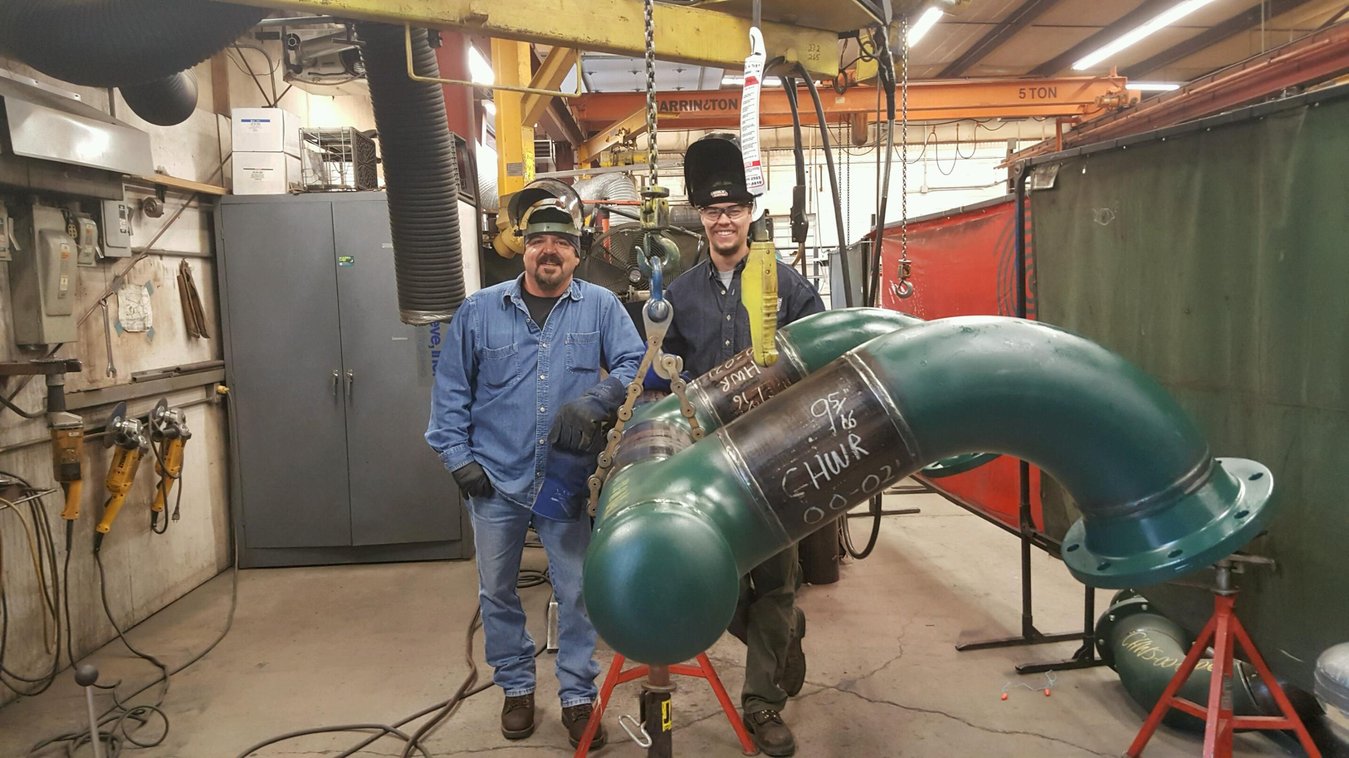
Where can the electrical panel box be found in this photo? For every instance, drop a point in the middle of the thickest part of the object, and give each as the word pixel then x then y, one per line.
pixel 116 228
pixel 6 235
pixel 87 240
pixel 42 278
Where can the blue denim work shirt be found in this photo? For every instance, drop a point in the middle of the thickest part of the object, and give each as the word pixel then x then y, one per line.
pixel 501 377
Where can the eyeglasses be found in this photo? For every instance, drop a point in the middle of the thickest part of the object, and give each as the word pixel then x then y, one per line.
pixel 713 214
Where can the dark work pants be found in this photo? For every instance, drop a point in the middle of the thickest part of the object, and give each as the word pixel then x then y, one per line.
pixel 764 621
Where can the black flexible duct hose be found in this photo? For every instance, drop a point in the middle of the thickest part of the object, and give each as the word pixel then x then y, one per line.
pixel 117 43
pixel 420 173
pixel 166 102
pixel 833 183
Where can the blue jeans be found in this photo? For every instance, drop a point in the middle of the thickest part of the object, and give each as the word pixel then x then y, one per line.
pixel 499 527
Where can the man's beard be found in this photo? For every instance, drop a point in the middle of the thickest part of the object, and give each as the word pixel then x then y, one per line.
pixel 728 249
pixel 549 281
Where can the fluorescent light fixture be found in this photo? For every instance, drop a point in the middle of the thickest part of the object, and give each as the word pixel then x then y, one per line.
pixel 924 25
pixel 1152 86
pixel 736 81
pixel 479 69
pixel 1160 21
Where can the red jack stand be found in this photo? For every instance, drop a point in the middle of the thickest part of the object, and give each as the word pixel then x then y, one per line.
pixel 656 704
pixel 1223 630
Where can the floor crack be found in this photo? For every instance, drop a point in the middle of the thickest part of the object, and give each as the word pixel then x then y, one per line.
pixel 953 717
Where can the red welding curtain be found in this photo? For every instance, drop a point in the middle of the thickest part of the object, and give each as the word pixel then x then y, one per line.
pixel 963 264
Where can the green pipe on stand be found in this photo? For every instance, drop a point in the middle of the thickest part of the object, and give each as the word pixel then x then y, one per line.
pixel 676 530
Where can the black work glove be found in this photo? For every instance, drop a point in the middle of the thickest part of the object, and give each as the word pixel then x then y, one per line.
pixel 580 424
pixel 472 480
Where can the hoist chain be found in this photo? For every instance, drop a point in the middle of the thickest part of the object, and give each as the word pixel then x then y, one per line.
pixel 903 287
pixel 669 366
pixel 648 10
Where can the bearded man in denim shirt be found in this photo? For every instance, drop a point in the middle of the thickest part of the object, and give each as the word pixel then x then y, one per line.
pixel 519 372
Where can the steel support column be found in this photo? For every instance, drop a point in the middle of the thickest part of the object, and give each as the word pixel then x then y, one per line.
pixel 515 138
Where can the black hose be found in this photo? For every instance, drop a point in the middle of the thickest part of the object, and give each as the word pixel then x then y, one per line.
pixel 420 172
pixel 886 75
pixel 166 102
pixel 833 184
pixel 116 43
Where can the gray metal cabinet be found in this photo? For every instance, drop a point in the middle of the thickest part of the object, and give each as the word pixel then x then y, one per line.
pixel 329 389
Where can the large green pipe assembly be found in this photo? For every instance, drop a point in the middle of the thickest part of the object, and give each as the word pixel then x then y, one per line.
pixel 679 522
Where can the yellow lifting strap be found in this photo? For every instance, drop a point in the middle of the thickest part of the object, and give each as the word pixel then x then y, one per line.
pixel 759 293
pixel 759 281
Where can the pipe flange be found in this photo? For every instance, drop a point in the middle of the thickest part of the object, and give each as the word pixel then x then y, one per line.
pixel 1231 522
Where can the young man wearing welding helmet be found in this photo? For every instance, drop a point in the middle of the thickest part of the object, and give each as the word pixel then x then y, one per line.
pixel 519 373
pixel 710 326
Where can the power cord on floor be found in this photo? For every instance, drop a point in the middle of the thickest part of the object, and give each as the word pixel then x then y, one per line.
pixel 113 723
pixel 442 710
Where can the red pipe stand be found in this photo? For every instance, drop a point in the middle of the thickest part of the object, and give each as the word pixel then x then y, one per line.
pixel 617 675
pixel 1224 631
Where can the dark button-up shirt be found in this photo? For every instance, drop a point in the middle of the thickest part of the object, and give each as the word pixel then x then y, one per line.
pixel 710 324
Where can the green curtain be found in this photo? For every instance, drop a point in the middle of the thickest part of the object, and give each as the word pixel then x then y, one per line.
pixel 1218 261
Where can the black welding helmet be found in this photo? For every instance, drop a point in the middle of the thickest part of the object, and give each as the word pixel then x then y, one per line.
pixel 714 171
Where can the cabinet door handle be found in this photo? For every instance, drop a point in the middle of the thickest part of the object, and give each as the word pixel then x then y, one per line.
pixel 351 380
pixel 337 378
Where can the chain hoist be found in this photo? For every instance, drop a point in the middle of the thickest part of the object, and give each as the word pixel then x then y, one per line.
pixel 903 288
pixel 654 253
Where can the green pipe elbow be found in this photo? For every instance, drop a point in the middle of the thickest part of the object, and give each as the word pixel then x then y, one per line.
pixel 1146 650
pixel 1155 503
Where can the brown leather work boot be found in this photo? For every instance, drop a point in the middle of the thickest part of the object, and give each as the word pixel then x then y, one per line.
pixel 517 717
pixel 576 718
pixel 769 733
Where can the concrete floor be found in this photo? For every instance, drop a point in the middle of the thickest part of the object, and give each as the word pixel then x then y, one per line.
pixel 320 646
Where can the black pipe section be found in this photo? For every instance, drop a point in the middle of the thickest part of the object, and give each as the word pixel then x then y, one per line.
pixel 167 102
pixel 420 172
pixel 116 43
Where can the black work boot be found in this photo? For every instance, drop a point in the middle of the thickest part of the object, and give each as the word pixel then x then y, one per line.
pixel 517 716
pixel 792 675
pixel 769 733
pixel 576 718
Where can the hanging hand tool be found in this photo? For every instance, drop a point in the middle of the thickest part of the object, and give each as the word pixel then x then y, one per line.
pixel 128 436
pixel 168 436
pixel 107 338
pixel 67 429
pixel 759 292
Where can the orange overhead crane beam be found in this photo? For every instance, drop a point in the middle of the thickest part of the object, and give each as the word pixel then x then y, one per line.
pixel 930 100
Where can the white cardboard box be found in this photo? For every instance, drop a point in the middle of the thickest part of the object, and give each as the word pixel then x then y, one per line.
pixel 270 130
pixel 265 173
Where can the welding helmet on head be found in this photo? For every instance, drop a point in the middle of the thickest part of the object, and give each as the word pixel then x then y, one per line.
pixel 714 171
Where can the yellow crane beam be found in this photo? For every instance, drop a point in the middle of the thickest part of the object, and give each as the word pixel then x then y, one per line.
pixel 703 36
pixel 552 72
